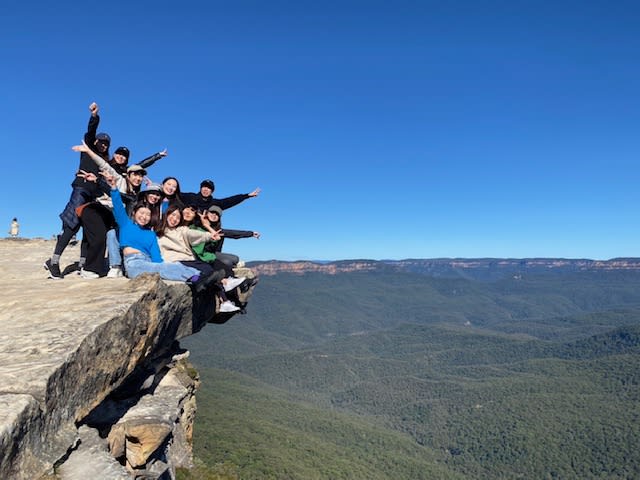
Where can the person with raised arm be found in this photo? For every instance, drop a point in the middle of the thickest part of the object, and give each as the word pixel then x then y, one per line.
pixel 82 192
pixel 212 250
pixel 98 222
pixel 204 198
pixel 140 244
pixel 176 244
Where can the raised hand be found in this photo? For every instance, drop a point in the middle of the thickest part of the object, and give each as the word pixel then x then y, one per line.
pixel 110 179
pixel 205 221
pixel 81 148
pixel 255 192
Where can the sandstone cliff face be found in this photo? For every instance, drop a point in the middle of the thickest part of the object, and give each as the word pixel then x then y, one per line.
pixel 448 266
pixel 89 367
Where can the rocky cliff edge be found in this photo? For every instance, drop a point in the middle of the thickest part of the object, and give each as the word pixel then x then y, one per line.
pixel 93 383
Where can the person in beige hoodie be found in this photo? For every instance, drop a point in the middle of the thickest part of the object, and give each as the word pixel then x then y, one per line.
pixel 176 241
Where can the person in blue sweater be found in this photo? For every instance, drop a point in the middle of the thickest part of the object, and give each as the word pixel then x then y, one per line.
pixel 140 244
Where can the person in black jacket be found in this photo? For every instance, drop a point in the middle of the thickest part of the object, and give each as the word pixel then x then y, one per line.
pixel 120 160
pixel 82 191
pixel 204 198
pixel 213 218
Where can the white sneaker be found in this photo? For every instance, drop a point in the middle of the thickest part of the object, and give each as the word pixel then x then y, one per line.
pixel 227 307
pixel 232 283
pixel 86 274
pixel 115 272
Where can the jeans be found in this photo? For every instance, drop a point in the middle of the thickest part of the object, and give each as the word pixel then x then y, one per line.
pixel 139 263
pixel 113 246
pixel 68 216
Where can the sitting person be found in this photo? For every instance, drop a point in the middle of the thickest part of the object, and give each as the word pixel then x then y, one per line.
pixel 152 196
pixel 140 244
pixel 176 241
pixel 189 215
pixel 171 194
pixel 212 220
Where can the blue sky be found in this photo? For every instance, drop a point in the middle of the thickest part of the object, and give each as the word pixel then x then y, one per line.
pixel 375 129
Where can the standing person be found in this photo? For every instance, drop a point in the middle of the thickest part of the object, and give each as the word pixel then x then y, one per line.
pixel 204 198
pixel 82 192
pixel 15 228
pixel 97 219
pixel 120 160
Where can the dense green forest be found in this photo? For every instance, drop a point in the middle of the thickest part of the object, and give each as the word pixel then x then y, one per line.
pixel 405 376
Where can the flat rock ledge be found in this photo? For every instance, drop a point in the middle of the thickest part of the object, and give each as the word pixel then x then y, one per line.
pixel 94 383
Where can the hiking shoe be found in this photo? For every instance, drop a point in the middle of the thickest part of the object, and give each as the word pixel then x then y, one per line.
pixel 87 274
pixel 233 282
pixel 115 272
pixel 53 269
pixel 228 307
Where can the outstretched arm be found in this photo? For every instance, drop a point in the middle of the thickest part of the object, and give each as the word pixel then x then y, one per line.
pixel 101 162
pixel 147 162
pixel 234 200
pixel 102 165
pixel 119 212
pixel 240 233
pixel 206 224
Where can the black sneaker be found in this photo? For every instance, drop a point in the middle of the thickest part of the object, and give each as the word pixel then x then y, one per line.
pixel 54 270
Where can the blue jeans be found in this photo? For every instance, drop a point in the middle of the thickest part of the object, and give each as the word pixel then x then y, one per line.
pixel 113 246
pixel 68 216
pixel 139 263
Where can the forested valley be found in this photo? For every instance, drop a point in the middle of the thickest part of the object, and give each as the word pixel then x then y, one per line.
pixel 400 375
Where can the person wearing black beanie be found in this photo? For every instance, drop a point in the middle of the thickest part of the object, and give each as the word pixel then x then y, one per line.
pixel 83 191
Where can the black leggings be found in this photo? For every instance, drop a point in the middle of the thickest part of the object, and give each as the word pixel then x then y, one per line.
pixel 64 238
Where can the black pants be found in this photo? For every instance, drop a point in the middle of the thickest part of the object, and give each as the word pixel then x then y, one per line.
pixel 64 238
pixel 96 221
pixel 229 259
pixel 206 268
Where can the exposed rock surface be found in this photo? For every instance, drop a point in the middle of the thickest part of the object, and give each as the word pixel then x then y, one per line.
pixel 475 267
pixel 98 352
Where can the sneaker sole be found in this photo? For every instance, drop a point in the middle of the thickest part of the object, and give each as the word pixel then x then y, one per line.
pixel 51 275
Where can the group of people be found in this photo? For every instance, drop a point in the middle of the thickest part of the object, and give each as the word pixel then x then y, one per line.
pixel 144 227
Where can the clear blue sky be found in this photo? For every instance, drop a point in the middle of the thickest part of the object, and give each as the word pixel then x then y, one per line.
pixel 375 129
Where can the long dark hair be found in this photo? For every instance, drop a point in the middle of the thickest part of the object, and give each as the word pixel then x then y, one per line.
pixel 164 226
pixel 175 194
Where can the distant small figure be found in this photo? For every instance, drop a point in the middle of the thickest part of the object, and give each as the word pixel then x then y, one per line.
pixel 15 228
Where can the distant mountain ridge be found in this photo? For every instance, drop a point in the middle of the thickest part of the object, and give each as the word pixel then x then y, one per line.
pixel 478 268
